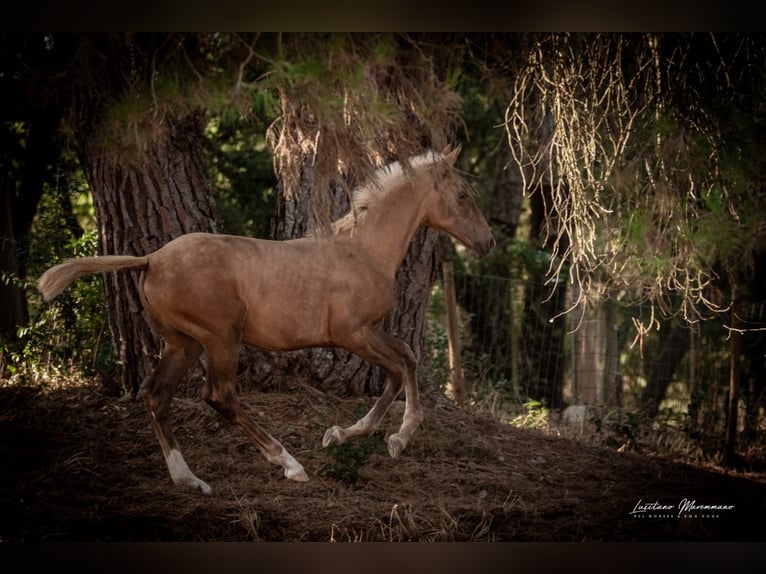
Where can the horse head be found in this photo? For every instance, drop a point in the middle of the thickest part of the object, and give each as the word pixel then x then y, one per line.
pixel 452 207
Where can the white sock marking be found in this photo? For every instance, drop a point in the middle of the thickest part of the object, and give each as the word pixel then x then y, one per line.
pixel 182 474
pixel 293 469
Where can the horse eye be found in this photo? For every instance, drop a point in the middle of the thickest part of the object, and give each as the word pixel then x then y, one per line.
pixel 462 196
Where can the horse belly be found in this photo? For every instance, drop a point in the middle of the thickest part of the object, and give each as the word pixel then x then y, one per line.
pixel 311 313
pixel 280 323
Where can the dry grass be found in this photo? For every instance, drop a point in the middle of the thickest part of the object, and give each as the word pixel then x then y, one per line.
pixel 77 465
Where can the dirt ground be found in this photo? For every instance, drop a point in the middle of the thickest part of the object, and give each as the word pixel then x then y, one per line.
pixel 77 465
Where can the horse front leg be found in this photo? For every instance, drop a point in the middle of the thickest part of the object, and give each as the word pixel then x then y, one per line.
pixel 398 360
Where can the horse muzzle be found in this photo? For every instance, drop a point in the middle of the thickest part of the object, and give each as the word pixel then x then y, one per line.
pixel 483 248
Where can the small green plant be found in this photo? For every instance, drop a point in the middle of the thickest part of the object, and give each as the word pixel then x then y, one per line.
pixel 617 427
pixel 535 416
pixel 349 457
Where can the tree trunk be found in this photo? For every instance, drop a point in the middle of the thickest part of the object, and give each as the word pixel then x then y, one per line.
pixel 507 195
pixel 456 385
pixel 596 356
pixel 141 206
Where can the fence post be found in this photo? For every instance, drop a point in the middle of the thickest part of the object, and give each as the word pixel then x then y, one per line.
pixel 736 346
pixel 456 386
pixel 695 394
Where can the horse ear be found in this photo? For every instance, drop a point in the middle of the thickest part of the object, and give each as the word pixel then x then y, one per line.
pixel 451 156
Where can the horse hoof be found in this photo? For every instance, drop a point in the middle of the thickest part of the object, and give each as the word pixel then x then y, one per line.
pixel 297 476
pixel 395 446
pixel 197 484
pixel 332 437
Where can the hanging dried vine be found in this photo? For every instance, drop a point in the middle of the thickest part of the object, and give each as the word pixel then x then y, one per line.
pixel 617 127
pixel 357 103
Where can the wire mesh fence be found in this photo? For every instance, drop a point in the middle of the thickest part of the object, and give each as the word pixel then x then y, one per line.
pixel 517 338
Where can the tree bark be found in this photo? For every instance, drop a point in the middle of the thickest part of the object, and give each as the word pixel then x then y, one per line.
pixel 141 206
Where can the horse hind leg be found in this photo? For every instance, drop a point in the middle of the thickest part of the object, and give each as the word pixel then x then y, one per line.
pixel 219 393
pixel 157 390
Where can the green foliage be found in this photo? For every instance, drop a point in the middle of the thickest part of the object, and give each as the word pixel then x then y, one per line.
pixel 669 434
pixel 535 416
pixel 483 385
pixel 618 426
pixel 242 172
pixel 436 371
pixel 69 335
pixel 480 370
pixel 713 198
pixel 349 457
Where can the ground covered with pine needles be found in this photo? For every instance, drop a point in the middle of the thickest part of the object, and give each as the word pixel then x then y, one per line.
pixel 78 465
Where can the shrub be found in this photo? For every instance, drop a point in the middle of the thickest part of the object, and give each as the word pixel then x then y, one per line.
pixel 69 335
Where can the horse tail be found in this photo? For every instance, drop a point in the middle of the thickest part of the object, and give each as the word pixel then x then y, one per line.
pixel 58 277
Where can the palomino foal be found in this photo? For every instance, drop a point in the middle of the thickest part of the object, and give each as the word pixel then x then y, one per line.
pixel 211 293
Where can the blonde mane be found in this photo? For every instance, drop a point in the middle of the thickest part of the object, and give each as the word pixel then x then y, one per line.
pixel 383 181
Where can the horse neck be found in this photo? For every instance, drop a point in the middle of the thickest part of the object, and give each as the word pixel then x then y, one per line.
pixel 388 228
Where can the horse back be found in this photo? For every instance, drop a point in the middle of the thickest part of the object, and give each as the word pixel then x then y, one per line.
pixel 276 294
